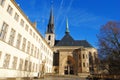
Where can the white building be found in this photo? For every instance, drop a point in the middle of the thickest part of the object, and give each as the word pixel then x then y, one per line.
pixel 23 51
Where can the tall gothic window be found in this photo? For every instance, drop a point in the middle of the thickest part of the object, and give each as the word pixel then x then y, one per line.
pixel 3 31
pixel 6 61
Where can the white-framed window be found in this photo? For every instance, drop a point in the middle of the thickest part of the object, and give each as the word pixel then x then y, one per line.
pixel 21 64
pixel 26 65
pixel 2 2
pixel 26 27
pixel 30 31
pixel 33 35
pixel 18 41
pixel 24 44
pixel 28 47
pixel 14 63
pixel 16 17
pixel 22 22
pixel 0 54
pixel 6 61
pixel 30 66
pixel 3 31
pixel 9 9
pixel 12 36
pixel 32 49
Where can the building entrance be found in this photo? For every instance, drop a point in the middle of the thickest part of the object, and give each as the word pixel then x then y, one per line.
pixel 69 70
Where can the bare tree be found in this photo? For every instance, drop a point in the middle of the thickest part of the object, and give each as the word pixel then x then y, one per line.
pixel 109 46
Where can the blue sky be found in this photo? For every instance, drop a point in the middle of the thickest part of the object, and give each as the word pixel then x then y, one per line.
pixel 85 17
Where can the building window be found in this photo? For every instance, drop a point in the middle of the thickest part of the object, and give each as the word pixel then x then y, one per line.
pixel 6 61
pixel 26 27
pixel 24 44
pixel 2 2
pixel 9 9
pixel 87 65
pixel 36 67
pixel 33 67
pixel 3 31
pixel 0 54
pixel 83 64
pixel 18 41
pixel 22 22
pixel 49 37
pixel 30 32
pixel 28 47
pixel 21 64
pixel 79 64
pixel 35 50
pixel 26 65
pixel 33 35
pixel 38 54
pixel 32 49
pixel 16 17
pixel 30 66
pixel 14 62
pixel 12 36
pixel 79 56
pixel 83 56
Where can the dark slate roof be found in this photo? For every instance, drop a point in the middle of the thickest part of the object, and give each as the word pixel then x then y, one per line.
pixel 67 40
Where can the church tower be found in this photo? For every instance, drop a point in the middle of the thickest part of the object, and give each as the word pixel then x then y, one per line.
pixel 50 35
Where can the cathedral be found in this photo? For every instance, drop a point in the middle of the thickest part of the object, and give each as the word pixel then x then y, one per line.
pixel 71 57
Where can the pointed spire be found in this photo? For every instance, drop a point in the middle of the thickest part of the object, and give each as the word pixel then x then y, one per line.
pixel 51 20
pixel 50 28
pixel 67 27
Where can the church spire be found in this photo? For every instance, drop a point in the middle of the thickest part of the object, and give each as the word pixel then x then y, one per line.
pixel 50 28
pixel 51 19
pixel 67 27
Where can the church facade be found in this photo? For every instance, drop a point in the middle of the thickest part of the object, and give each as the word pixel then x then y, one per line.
pixel 71 57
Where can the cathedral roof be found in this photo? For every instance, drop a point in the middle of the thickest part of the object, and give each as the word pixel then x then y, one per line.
pixel 67 40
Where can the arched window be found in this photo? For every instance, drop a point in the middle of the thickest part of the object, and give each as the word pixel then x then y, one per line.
pixel 49 37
